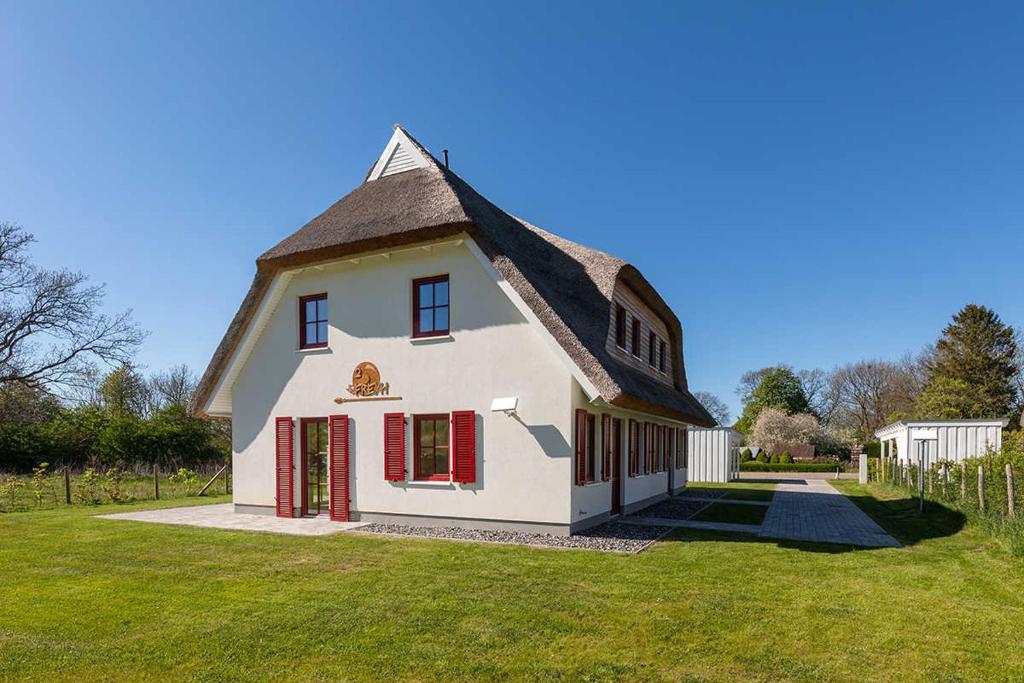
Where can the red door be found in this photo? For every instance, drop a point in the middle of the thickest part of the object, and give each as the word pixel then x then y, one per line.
pixel 616 466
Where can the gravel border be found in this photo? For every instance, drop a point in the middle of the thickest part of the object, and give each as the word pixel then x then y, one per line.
pixel 677 507
pixel 610 537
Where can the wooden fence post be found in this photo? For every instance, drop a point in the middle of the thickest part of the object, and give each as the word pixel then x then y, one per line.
pixel 963 480
pixel 929 481
pixel 1010 503
pixel 156 482
pixel 981 488
pixel 67 484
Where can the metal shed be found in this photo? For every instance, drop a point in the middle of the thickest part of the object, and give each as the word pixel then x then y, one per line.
pixel 714 454
pixel 952 440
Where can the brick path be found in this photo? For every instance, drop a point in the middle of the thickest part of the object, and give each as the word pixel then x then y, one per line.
pixel 811 510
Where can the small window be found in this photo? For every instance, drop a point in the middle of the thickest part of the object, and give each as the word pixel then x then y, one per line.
pixel 430 306
pixel 591 456
pixel 661 356
pixel 313 321
pixel 652 341
pixel 620 327
pixel 431 447
pixel 636 337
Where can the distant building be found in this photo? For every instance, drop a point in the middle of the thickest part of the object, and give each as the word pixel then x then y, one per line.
pixel 938 440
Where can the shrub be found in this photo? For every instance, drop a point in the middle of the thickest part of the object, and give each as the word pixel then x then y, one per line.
pixel 112 485
pixel 762 457
pixel 184 478
pixel 787 467
pixel 745 455
pixel 786 458
pixel 89 487
pixel 776 459
pixel 39 482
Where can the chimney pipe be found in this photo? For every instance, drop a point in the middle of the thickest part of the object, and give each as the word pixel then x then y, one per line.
pixel 445 152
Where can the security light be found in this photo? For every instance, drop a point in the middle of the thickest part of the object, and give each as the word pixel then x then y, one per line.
pixel 505 405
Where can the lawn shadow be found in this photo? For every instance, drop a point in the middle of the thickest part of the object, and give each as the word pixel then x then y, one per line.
pixel 897 516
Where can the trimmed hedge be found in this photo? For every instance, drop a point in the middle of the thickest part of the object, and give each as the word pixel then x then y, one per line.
pixel 789 467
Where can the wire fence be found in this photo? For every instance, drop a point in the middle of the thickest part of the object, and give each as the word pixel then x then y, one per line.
pixel 988 490
pixel 49 488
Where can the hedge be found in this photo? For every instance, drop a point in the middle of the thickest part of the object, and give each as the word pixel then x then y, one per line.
pixel 788 467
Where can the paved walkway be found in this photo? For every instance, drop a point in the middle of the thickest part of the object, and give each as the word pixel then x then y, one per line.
pixel 223 516
pixel 811 510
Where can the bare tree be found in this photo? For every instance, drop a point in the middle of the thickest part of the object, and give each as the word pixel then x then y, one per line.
pixel 172 387
pixel 51 327
pixel 820 392
pixel 870 393
pixel 714 405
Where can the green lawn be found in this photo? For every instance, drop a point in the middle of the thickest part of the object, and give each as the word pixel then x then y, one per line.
pixel 732 513
pixel 91 599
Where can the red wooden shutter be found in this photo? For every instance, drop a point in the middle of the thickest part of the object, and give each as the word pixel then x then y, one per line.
pixel 680 441
pixel 338 426
pixel 606 447
pixel 394 446
pixel 284 466
pixel 633 449
pixel 581 447
pixel 464 446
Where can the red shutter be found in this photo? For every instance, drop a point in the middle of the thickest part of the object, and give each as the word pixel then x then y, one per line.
pixel 680 444
pixel 394 446
pixel 285 450
pixel 464 446
pixel 633 449
pixel 581 447
pixel 606 442
pixel 338 426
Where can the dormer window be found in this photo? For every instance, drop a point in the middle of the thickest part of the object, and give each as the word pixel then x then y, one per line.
pixel 636 337
pixel 661 356
pixel 652 341
pixel 430 307
pixel 313 321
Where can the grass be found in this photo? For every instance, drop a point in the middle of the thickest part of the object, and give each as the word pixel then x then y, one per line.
pixel 732 513
pixel 93 599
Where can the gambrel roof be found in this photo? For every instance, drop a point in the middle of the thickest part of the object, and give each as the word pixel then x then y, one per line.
pixel 409 197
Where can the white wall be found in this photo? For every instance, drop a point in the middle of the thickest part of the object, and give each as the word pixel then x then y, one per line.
pixel 524 465
pixel 596 497
pixel 713 455
pixel 956 441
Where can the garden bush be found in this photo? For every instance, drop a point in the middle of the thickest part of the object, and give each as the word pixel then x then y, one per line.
pixel 786 458
pixel 787 467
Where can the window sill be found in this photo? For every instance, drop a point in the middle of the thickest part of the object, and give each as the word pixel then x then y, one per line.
pixel 431 483
pixel 440 339
pixel 315 350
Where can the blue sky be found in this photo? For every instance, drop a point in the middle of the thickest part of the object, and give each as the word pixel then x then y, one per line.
pixel 809 183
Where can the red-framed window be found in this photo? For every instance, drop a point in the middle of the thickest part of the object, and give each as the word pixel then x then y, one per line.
pixel 606 447
pixel 620 326
pixel 431 460
pixel 652 341
pixel 313 321
pixel 586 456
pixel 661 355
pixel 430 306
pixel 636 337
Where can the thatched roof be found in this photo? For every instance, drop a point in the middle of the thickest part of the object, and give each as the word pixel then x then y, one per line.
pixel 567 286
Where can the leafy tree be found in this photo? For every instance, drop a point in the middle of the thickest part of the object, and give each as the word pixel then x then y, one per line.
pixel 124 392
pixel 775 429
pixel 973 370
pixel 777 387
pixel 714 405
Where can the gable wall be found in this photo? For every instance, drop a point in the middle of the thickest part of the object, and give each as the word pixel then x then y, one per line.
pixel 523 465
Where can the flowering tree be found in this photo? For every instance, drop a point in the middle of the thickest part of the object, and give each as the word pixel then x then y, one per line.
pixel 774 429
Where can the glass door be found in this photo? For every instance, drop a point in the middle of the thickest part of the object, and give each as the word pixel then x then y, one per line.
pixel 316 490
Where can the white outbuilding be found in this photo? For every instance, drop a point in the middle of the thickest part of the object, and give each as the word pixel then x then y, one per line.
pixel 714 454
pixel 952 440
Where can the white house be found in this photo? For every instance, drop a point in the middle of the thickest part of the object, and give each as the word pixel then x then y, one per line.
pixel 414 354
pixel 938 440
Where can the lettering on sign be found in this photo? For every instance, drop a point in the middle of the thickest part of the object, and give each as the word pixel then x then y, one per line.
pixel 366 381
